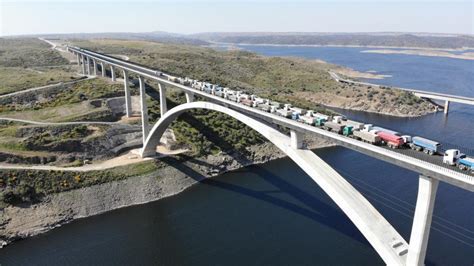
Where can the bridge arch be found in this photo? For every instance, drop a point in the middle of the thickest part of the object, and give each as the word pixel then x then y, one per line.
pixel 376 229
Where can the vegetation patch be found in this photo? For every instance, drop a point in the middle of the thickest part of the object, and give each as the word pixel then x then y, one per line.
pixel 28 52
pixel 29 186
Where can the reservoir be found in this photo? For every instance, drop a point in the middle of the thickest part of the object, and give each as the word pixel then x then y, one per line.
pixel 273 214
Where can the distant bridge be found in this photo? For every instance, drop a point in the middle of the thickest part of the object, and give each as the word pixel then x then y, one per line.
pixel 392 248
pixel 447 98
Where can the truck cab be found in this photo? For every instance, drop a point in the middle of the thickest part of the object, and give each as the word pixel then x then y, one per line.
pixel 451 156
pixel 347 130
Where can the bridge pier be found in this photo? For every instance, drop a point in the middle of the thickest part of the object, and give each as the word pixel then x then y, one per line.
pixel 112 73
pixel 78 60
pixel 94 63
pixel 420 231
pixel 83 65
pixel 102 68
pixel 88 66
pixel 144 109
pixel 189 96
pixel 296 139
pixel 163 107
pixel 446 107
pixel 128 99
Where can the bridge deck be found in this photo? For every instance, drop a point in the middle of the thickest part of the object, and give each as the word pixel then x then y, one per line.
pixel 396 157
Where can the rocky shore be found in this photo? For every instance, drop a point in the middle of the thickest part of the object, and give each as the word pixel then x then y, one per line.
pixel 19 222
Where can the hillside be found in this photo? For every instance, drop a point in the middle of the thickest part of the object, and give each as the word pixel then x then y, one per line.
pixel 344 39
pixel 28 62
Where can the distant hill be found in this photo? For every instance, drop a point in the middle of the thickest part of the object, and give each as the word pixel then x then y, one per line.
pixel 157 36
pixel 444 41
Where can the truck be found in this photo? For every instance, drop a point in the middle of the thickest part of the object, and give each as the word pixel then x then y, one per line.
pixel 246 101
pixel 267 108
pixel 426 145
pixel 298 111
pixel 455 157
pixel 355 125
pixel 378 129
pixel 338 119
pixel 319 115
pixel 393 141
pixel 285 111
pixel 320 121
pixel 308 118
pixel 335 127
pixel 367 136
pixel 347 131
pixel 233 97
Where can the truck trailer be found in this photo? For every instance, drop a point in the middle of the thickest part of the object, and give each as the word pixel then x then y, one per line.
pixel 367 136
pixel 392 141
pixel 426 145
pixel 335 127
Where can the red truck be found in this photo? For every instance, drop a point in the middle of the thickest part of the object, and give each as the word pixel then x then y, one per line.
pixel 392 141
pixel 247 102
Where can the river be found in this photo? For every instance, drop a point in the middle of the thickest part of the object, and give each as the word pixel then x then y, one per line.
pixel 273 214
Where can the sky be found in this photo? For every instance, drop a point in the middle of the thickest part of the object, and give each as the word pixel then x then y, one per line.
pixel 188 16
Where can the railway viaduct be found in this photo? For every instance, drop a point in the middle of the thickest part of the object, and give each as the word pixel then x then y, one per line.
pixel 389 244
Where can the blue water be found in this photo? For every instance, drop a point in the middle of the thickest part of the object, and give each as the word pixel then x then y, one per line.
pixel 274 214
pixel 438 74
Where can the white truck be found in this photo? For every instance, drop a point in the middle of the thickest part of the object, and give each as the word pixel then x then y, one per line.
pixel 308 118
pixel 285 111
pixel 455 157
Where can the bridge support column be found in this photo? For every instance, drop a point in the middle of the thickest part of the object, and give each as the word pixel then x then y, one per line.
pixel 83 65
pixel 78 60
pixel 296 139
pixel 128 99
pixel 102 68
pixel 420 231
pixel 94 63
pixel 88 66
pixel 112 73
pixel 189 96
pixel 144 109
pixel 446 107
pixel 163 107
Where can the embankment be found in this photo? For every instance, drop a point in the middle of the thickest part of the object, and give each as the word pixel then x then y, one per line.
pixel 19 222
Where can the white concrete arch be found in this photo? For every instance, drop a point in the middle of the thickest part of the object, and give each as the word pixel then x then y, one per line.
pixel 375 228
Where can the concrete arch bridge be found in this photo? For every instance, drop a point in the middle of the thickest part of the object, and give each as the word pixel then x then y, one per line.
pixel 389 244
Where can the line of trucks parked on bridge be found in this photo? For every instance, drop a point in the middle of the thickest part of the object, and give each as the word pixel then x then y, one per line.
pixel 364 132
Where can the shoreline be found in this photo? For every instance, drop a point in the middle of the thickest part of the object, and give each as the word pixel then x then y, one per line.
pixel 424 52
pixel 340 45
pixel 55 210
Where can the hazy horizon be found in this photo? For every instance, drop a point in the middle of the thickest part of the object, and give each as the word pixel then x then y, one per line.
pixel 203 16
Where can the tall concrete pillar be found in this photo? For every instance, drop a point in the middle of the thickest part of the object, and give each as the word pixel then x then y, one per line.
pixel 163 107
pixel 446 107
pixel 112 73
pixel 102 67
pixel 296 139
pixel 128 99
pixel 420 231
pixel 94 63
pixel 83 65
pixel 78 60
pixel 88 66
pixel 189 96
pixel 144 109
